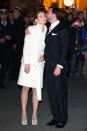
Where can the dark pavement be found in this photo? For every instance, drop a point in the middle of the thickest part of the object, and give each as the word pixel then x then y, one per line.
pixel 10 108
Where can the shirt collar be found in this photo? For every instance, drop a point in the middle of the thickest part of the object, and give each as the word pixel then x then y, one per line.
pixel 54 24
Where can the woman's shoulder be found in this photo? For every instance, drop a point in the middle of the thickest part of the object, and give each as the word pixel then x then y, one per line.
pixel 31 28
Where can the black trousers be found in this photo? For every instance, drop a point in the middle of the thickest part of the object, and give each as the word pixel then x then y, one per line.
pixel 57 93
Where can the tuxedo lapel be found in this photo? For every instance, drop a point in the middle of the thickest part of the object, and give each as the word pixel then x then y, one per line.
pixel 53 30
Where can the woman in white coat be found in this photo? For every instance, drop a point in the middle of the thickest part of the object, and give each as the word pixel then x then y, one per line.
pixel 32 66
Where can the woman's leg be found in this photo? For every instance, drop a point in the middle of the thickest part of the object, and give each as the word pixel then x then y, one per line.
pixel 24 99
pixel 35 106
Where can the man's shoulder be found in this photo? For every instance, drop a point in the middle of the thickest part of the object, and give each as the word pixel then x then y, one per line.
pixel 61 28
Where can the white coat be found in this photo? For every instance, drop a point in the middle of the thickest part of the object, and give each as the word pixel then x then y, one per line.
pixel 33 48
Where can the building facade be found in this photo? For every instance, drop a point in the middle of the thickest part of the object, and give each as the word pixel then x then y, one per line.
pixel 32 4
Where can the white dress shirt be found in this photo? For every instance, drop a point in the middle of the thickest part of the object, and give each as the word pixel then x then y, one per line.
pixel 54 24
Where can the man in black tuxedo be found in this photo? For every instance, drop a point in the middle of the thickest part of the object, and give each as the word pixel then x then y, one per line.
pixel 56 68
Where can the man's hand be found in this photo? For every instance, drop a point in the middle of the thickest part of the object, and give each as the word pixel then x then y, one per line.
pixel 57 71
pixel 14 46
pixel 41 58
pixel 2 40
pixel 8 37
pixel 27 68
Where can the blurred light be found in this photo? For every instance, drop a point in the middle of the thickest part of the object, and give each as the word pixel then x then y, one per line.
pixel 68 2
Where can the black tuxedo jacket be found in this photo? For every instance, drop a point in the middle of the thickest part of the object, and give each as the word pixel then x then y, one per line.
pixel 56 46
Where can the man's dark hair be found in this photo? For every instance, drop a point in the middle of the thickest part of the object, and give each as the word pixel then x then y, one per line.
pixel 54 5
pixel 57 12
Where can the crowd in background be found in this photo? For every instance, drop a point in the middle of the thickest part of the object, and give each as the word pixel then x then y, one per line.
pixel 12 31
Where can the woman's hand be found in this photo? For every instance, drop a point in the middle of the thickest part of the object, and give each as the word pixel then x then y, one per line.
pixel 27 68
pixel 41 58
pixel 27 32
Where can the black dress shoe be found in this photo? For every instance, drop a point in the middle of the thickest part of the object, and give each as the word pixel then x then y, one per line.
pixel 52 122
pixel 60 125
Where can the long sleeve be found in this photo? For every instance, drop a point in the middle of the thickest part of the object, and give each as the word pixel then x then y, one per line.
pixel 33 45
pixel 26 50
pixel 64 47
pixel 30 54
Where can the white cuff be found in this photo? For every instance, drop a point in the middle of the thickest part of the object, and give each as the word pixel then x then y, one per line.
pixel 60 66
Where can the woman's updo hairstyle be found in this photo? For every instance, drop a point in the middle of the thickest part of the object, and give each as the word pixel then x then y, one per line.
pixel 39 10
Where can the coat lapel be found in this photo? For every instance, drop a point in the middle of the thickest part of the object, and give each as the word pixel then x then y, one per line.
pixel 49 33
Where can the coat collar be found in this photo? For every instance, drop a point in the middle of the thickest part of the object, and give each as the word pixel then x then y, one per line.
pixel 53 25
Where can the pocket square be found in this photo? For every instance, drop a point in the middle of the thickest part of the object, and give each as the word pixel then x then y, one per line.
pixel 54 34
